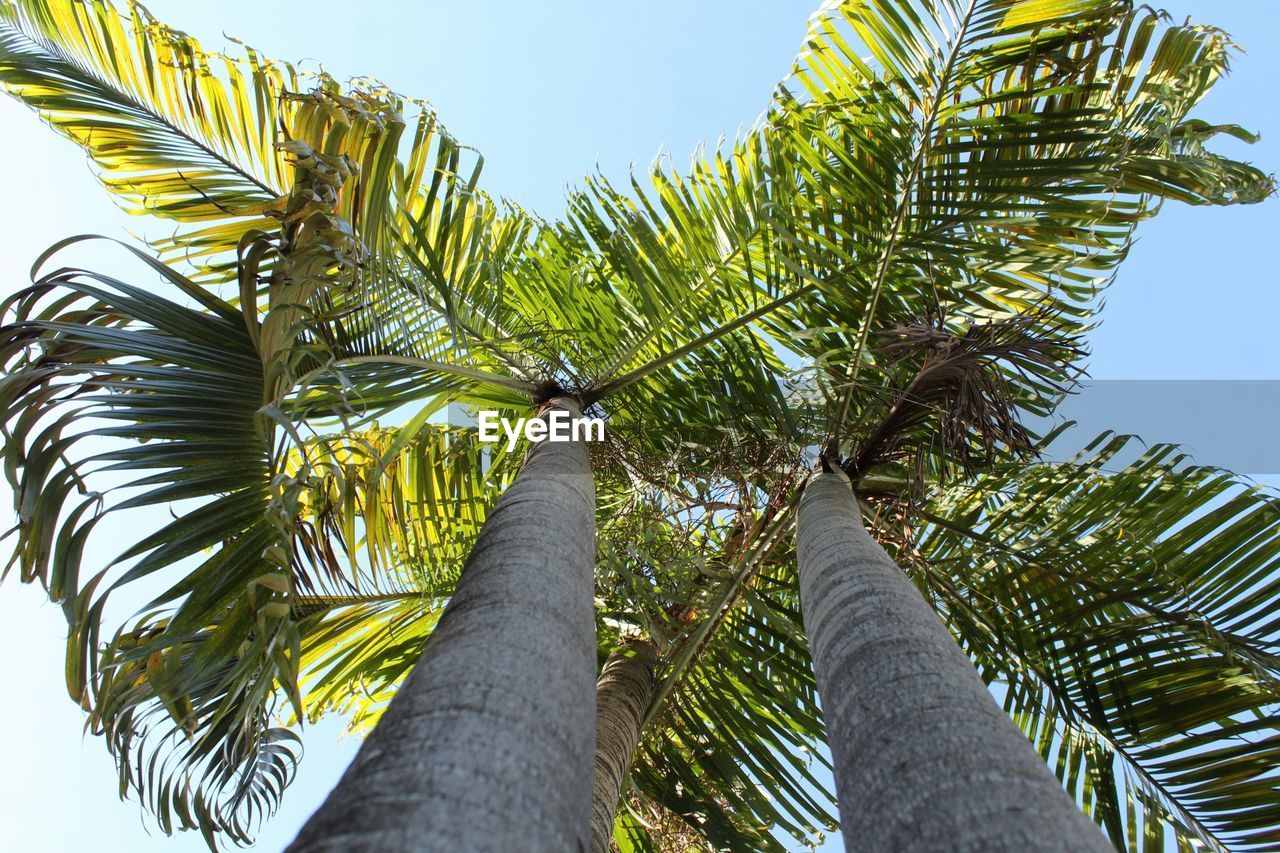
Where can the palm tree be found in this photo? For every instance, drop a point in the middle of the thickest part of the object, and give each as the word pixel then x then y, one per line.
pixel 327 252
pixel 516 741
pixel 991 165
pixel 905 708
pixel 623 693
pixel 877 650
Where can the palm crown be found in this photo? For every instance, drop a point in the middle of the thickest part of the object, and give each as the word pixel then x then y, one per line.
pixel 897 262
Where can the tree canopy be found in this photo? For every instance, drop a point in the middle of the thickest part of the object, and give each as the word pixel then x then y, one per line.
pixel 893 267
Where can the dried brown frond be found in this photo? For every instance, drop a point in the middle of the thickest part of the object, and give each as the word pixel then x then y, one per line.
pixel 969 389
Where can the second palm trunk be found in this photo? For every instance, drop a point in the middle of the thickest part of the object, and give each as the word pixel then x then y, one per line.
pixel 924 757
pixel 623 693
pixel 489 744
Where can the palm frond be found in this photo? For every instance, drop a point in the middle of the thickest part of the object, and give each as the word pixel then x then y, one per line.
pixel 114 399
pixel 94 368
pixel 1123 604
pixel 218 144
pixel 736 752
pixel 174 131
pixel 990 158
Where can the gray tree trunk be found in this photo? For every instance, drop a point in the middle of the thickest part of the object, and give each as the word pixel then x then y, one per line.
pixel 924 757
pixel 623 692
pixel 488 746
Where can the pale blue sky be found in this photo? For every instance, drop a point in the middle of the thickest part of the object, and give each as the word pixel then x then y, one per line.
pixel 545 90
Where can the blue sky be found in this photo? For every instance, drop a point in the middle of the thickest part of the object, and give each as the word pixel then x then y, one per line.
pixel 546 91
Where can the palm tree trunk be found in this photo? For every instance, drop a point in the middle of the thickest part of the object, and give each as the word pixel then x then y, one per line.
pixel 924 757
pixel 489 743
pixel 623 692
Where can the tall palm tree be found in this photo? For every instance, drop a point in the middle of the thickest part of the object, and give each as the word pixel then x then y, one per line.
pixel 877 651
pixel 516 741
pixel 324 250
pixel 905 708
pixel 990 165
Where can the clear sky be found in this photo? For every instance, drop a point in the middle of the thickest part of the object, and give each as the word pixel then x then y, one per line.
pixel 546 90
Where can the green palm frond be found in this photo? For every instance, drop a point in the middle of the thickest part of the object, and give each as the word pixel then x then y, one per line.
pixel 992 162
pixel 174 131
pixel 735 753
pixel 218 143
pixel 1122 603
pixel 395 498
pixel 403 507
pixel 686 255
pixel 115 399
pixel 196 137
pixel 989 158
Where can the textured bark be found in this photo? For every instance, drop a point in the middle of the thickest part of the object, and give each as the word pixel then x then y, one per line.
pixel 924 757
pixel 623 692
pixel 489 743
